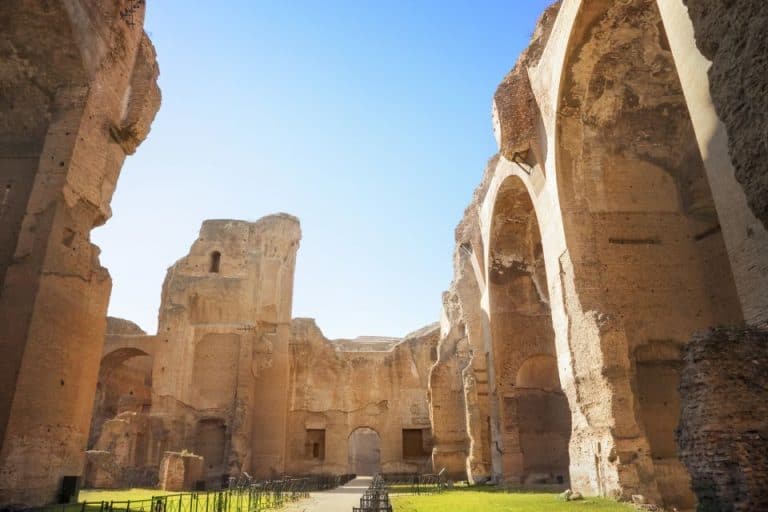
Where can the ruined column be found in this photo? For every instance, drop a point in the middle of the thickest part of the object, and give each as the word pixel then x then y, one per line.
pixel 272 355
pixel 220 376
pixel 79 94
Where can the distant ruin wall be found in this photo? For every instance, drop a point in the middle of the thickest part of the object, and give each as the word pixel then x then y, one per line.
pixel 723 435
pixel 353 402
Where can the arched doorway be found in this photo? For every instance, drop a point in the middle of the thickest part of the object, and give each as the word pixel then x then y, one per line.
pixel 364 451
pixel 125 384
pixel 646 258
pixel 535 421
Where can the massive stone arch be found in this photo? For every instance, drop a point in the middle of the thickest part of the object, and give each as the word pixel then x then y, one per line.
pixel 125 384
pixel 534 415
pixel 646 264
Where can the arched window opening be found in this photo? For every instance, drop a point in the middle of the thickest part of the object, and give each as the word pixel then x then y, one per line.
pixel 215 262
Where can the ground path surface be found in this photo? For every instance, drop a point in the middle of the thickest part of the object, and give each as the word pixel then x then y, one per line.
pixel 341 499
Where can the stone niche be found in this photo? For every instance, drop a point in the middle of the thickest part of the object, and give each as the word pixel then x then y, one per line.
pixel 723 436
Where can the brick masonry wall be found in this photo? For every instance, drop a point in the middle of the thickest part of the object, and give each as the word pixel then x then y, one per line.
pixel 723 431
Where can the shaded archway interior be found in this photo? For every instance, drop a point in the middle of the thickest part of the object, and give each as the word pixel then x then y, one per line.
pixel 640 223
pixel 535 418
pixel 124 385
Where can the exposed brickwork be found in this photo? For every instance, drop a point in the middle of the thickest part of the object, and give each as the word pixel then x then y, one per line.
pixel 723 436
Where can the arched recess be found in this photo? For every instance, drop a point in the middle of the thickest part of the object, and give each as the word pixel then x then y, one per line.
pixel 534 414
pixel 649 266
pixel 125 384
pixel 364 451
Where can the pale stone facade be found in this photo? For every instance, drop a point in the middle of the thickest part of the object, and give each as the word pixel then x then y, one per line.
pixel 231 378
pixel 340 387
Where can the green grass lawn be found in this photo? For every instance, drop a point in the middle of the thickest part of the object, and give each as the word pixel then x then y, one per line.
pixel 496 501
pixel 139 500
pixel 120 494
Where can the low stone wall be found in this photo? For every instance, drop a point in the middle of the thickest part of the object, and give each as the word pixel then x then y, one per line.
pixel 723 434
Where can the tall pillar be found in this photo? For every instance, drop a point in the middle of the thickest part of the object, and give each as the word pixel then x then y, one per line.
pixel 79 94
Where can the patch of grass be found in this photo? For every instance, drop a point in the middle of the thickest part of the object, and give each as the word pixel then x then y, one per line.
pixel 411 489
pixel 138 500
pixel 472 500
pixel 120 494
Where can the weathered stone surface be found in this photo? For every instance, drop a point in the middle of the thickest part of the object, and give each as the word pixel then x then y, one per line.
pixel 515 113
pixel 218 361
pixel 606 232
pixel 181 471
pixel 458 389
pixel 221 352
pixel 723 433
pixel 101 471
pixel 732 35
pixel 72 72
pixel 340 387
pixel 596 247
pixel 122 327
pixel 125 374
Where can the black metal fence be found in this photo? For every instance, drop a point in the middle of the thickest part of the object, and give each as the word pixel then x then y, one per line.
pixel 375 498
pixel 414 483
pixel 242 495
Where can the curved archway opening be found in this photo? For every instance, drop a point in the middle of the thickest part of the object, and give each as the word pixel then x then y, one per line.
pixel 643 236
pixel 364 451
pixel 124 385
pixel 534 414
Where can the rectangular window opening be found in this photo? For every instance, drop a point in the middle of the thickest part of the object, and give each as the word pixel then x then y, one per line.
pixel 413 443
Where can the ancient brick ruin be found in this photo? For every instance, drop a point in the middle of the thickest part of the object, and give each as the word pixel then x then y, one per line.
pixel 723 436
pixel 230 377
pixel 623 217
pixel 78 94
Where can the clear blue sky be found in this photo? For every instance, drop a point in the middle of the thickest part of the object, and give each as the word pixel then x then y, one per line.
pixel 370 121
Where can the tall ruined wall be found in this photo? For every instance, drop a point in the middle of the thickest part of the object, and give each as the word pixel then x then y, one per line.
pixel 723 434
pixel 459 390
pixel 340 388
pixel 78 94
pixel 220 375
pixel 609 226
pixel 732 35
